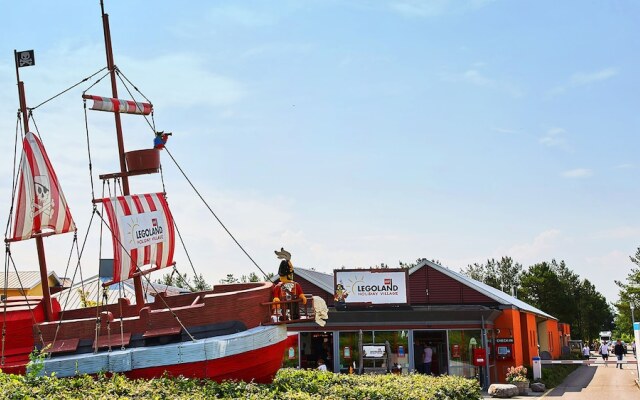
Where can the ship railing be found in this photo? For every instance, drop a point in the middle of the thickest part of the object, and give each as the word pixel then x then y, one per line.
pixel 290 311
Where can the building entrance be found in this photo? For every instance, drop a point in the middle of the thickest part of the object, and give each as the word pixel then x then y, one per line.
pixel 437 342
pixel 315 346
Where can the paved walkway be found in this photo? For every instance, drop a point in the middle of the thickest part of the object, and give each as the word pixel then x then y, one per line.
pixel 591 382
pixel 596 383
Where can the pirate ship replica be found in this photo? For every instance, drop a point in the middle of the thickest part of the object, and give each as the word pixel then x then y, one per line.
pixel 228 332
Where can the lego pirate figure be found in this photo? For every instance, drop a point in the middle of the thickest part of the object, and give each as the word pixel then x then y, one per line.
pixel 287 289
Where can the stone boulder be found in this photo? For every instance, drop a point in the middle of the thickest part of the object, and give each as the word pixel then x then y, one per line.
pixel 538 387
pixel 502 390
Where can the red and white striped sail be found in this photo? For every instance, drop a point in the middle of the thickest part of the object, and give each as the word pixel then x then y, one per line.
pixel 123 106
pixel 40 204
pixel 143 234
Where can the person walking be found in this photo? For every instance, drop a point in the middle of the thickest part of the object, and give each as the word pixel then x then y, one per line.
pixel 618 350
pixel 586 351
pixel 428 358
pixel 604 352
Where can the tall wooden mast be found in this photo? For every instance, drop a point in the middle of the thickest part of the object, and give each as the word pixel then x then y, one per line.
pixel 137 280
pixel 42 262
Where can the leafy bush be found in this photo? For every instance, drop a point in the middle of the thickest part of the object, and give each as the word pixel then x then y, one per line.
pixel 289 384
pixel 553 375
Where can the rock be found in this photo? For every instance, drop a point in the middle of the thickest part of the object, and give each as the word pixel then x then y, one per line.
pixel 538 387
pixel 502 390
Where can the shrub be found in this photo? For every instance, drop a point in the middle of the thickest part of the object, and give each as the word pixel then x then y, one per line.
pixel 554 375
pixel 289 384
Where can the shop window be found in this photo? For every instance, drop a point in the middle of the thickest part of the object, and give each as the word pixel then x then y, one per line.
pixel 315 346
pixel 462 343
pixel 350 352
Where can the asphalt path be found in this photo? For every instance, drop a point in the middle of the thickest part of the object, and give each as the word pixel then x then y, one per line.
pixel 595 382
pixel 590 382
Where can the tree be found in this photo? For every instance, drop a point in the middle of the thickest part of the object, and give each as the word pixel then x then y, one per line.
pixel 418 261
pixel 593 313
pixel 199 284
pixel 229 279
pixel 183 281
pixel 253 277
pixel 503 274
pixel 629 293
pixel 553 288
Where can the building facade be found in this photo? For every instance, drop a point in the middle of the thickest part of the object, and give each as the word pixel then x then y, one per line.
pixel 471 329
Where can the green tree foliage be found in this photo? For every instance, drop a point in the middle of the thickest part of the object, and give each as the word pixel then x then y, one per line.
pixel 555 289
pixel 593 314
pixel 183 281
pixel 503 274
pixel 629 293
pixel 229 279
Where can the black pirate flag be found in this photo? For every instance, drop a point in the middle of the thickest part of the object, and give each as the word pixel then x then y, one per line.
pixel 25 58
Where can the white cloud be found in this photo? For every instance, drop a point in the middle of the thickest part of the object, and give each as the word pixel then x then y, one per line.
pixel 538 249
pixel 434 8
pixel 249 17
pixel 580 79
pixel 621 232
pixel 577 173
pixel 587 78
pixel 506 131
pixel 477 78
pixel 624 166
pixel 553 137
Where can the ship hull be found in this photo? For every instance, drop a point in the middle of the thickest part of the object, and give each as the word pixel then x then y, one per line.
pixel 221 334
pixel 252 355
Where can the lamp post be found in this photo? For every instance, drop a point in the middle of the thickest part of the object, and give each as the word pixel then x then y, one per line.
pixel 632 304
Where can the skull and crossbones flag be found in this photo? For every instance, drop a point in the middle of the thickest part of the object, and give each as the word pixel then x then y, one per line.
pixel 25 58
pixel 40 204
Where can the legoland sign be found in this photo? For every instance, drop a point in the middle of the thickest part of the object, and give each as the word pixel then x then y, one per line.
pixel 378 286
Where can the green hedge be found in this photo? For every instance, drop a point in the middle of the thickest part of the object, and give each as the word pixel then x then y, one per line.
pixel 553 375
pixel 289 384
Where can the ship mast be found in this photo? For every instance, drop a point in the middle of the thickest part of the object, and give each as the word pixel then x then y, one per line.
pixel 42 262
pixel 137 280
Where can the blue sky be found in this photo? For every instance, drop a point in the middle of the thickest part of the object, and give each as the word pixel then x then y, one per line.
pixel 355 132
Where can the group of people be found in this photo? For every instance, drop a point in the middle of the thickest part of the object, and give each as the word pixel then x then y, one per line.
pixel 618 350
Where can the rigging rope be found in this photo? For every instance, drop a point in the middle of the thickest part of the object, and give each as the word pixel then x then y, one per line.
pixel 86 126
pixel 118 73
pixel 4 303
pixel 33 317
pixel 213 213
pixel 66 90
pixel 14 181
pixel 184 246
pixel 78 267
pixel 146 277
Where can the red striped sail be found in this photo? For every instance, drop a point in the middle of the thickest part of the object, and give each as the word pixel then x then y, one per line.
pixel 40 203
pixel 123 106
pixel 143 234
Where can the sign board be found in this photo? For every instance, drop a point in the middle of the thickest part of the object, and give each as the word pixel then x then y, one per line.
pixel 455 351
pixel 373 351
pixel 375 286
pixel 504 340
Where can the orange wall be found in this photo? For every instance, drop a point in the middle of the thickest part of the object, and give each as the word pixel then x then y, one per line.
pixel 510 327
pixel 529 335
